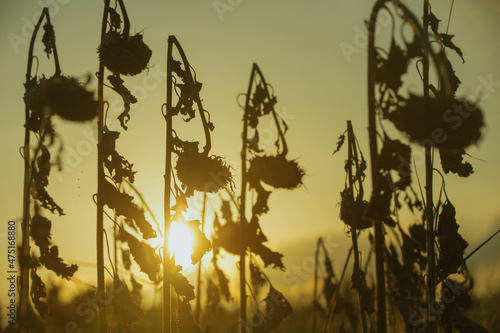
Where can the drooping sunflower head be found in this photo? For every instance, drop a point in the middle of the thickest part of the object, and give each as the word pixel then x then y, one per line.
pixel 63 96
pixel 203 173
pixel 276 171
pixel 124 55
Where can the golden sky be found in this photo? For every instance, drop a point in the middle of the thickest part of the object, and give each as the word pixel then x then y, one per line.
pixel 301 48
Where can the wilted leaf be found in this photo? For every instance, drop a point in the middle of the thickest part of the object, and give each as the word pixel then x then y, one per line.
pixel 389 71
pixel 277 308
pixel 40 232
pixel 114 18
pixel 123 303
pixel 127 97
pixel 351 210
pixel 144 255
pixel 185 320
pixel 223 282
pixel 340 142
pixel 366 294
pixel 256 275
pixel 396 156
pixel 452 161
pixel 118 167
pixel 260 206
pixel 51 261
pixel 452 245
pixel 49 38
pixel 41 172
pixel 201 244
pixel 38 291
pixel 180 283
pixel 123 206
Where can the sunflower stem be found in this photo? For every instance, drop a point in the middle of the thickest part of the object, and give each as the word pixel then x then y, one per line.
pixel 101 283
pixel 166 206
pixel 25 225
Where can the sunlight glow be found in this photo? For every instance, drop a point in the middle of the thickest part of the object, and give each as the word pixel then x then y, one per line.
pixel 180 244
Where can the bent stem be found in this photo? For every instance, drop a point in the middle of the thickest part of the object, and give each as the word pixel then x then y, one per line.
pixel 243 221
pixel 275 116
pixel 191 82
pixel 166 205
pixel 429 214
pixel 377 178
pixel 25 225
pixel 101 286
pixel 353 156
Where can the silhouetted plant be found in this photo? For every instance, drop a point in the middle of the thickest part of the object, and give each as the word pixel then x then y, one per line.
pixel 425 121
pixel 195 171
pixel 45 98
pixel 125 55
pixel 260 170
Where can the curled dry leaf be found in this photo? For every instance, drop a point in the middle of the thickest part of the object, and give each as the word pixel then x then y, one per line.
pixel 452 161
pixel 123 205
pixel 124 305
pixel 38 291
pixel 351 210
pixel 452 245
pixel 185 320
pixel 144 255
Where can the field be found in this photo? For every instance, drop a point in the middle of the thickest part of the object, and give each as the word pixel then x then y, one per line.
pixel 236 166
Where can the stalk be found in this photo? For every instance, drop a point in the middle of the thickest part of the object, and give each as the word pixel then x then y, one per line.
pixel 101 286
pixel 25 226
pixel 333 301
pixel 353 155
pixel 166 206
pixel 376 177
pixel 243 222
pixel 198 299
pixel 431 279
pixel 316 264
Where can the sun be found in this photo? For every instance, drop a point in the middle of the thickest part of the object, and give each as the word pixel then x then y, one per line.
pixel 180 244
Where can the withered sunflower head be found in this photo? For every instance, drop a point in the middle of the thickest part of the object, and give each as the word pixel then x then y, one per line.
pixel 276 171
pixel 63 96
pixel 446 123
pixel 203 173
pixel 124 55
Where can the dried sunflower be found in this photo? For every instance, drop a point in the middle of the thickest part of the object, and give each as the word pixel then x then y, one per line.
pixel 203 173
pixel 447 123
pixel 64 96
pixel 127 55
pixel 276 171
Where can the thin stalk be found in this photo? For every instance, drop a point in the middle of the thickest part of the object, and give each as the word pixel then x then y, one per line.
pixel 166 205
pixel 353 156
pixel 198 299
pixel 315 292
pixel 333 301
pixel 376 177
pixel 25 226
pixel 431 278
pixel 101 286
pixel 243 221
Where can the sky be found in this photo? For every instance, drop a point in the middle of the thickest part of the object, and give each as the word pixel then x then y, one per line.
pixel 313 53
